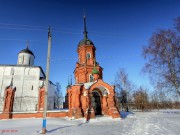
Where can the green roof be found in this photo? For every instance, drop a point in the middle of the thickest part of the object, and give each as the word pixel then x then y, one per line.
pixel 95 71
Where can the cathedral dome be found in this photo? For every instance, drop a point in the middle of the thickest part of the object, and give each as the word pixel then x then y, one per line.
pixel 85 41
pixel 26 57
pixel 26 51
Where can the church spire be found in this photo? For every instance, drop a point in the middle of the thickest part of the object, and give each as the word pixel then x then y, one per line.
pixel 85 40
pixel 27 44
pixel 85 30
pixel 68 81
pixel 71 80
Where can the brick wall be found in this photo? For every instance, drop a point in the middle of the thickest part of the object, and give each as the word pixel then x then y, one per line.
pixel 34 115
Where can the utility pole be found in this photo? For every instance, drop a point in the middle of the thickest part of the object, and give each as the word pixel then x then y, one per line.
pixel 47 81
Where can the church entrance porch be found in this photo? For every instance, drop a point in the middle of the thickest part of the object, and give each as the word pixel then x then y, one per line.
pixel 92 99
pixel 96 103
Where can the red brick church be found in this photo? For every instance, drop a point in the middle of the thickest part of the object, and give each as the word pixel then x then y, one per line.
pixel 90 95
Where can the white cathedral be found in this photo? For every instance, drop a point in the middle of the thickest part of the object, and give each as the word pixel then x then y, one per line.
pixel 27 79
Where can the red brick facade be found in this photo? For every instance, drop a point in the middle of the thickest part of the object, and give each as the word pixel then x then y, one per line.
pixel 90 95
pixel 85 65
pixel 8 103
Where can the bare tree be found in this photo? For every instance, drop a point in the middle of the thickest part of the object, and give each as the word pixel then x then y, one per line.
pixel 59 96
pixel 163 58
pixel 141 98
pixel 158 99
pixel 177 23
pixel 155 100
pixel 123 88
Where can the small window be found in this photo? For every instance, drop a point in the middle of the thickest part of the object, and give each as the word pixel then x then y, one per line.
pixel 88 56
pixel 32 87
pixel 20 60
pixel 91 78
pixel 23 60
pixel 30 61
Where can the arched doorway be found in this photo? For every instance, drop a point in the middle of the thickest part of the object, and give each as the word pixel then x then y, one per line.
pixel 96 103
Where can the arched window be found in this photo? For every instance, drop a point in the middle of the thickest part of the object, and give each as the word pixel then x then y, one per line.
pixel 29 60
pixel 23 60
pixel 20 60
pixel 88 56
pixel 91 78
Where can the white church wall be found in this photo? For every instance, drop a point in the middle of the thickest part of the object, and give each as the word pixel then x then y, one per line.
pixel 25 59
pixel 51 95
pixel 32 60
pixel 29 93
pixel 26 81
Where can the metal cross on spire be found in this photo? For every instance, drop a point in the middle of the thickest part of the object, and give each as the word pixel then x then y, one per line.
pixel 71 80
pixel 68 81
pixel 85 29
pixel 27 44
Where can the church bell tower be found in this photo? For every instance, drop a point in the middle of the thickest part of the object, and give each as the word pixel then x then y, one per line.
pixel 86 58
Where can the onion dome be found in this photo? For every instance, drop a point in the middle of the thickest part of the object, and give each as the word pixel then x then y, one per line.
pixel 95 71
pixel 26 51
pixel 85 40
pixel 26 57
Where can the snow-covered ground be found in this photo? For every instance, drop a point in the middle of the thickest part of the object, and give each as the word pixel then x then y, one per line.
pixel 163 122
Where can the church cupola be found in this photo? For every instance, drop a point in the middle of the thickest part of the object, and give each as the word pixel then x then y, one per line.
pixel 26 57
pixel 86 48
pixel 85 40
pixel 95 72
pixel 86 70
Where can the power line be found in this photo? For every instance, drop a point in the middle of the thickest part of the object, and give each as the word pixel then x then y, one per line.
pixel 23 25
pixel 20 40
pixel 65 32
pixel 22 28
pixel 99 58
pixel 35 29
pixel 55 29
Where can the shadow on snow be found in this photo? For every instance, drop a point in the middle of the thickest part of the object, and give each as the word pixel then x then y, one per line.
pixel 125 114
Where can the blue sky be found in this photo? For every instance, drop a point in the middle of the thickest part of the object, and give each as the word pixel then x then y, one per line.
pixel 118 29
